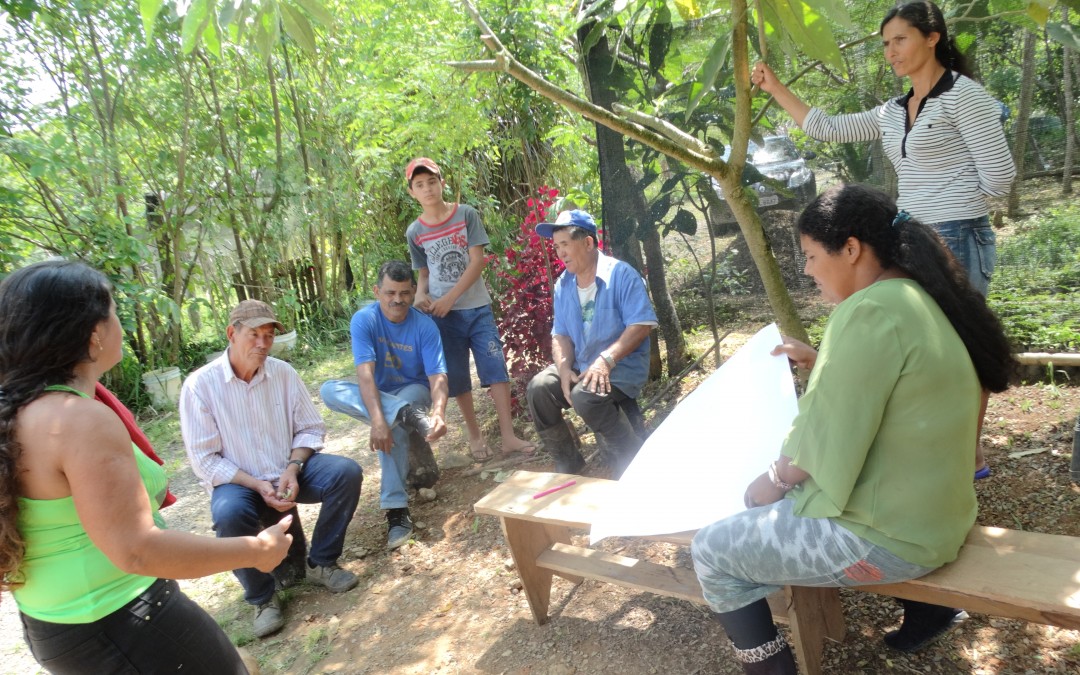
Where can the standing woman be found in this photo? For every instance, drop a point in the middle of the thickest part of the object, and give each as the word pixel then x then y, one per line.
pixel 944 137
pixel 82 546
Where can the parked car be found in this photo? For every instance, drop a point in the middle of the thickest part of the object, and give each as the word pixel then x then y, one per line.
pixel 781 161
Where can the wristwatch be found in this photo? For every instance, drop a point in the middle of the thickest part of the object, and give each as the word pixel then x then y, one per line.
pixel 299 463
pixel 608 360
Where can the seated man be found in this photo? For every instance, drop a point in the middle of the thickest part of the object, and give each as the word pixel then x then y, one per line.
pixel 600 345
pixel 401 372
pixel 253 437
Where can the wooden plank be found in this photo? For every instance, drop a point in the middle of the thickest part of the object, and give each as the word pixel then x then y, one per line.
pixel 814 614
pixel 642 575
pixel 574 506
pixel 1021 575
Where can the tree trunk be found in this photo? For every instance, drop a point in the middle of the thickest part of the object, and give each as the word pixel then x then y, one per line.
pixel 1067 56
pixel 1027 91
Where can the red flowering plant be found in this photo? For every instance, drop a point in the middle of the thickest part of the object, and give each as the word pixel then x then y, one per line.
pixel 528 270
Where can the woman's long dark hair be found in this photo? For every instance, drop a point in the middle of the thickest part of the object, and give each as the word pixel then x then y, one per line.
pixel 868 215
pixel 927 18
pixel 48 311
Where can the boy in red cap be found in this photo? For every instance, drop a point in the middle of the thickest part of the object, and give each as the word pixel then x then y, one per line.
pixel 447 243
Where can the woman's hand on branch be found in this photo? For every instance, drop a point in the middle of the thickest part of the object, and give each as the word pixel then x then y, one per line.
pixel 765 78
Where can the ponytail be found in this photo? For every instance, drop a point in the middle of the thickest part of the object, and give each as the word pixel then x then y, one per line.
pixel 901 242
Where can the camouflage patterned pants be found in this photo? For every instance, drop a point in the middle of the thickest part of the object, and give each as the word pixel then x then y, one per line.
pixel 750 555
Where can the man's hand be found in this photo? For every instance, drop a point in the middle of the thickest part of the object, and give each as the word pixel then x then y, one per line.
pixel 270 496
pixel 442 306
pixel 438 427
pixel 801 354
pixel 289 484
pixel 597 379
pixel 568 378
pixel 761 492
pixel 382 438
pixel 274 544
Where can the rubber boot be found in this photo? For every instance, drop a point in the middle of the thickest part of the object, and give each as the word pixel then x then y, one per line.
pixel 423 468
pixel 759 647
pixel 923 623
pixel 561 444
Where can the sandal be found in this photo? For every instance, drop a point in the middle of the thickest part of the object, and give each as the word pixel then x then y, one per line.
pixel 527 450
pixel 480 454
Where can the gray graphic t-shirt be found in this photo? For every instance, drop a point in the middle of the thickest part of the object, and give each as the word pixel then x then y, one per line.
pixel 443 248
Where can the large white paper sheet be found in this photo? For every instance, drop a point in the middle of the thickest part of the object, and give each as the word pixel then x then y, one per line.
pixel 694 468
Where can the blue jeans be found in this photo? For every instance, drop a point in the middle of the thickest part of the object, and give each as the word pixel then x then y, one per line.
pixel 344 397
pixel 160 631
pixel 330 480
pixel 471 329
pixel 973 243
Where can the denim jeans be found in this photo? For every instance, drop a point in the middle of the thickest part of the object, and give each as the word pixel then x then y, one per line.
pixel 344 397
pixel 329 480
pixel 160 631
pixel 973 243
pixel 474 329
pixel 746 557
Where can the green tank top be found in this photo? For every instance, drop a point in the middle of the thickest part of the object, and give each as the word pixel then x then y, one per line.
pixel 67 578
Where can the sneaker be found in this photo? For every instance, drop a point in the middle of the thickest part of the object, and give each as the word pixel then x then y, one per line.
pixel 335 579
pixel 268 617
pixel 400 527
pixel 416 419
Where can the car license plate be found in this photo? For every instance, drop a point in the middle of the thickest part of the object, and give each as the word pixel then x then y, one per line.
pixel 769 200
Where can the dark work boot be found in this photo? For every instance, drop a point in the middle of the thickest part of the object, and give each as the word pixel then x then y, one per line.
pixel 563 448
pixel 758 646
pixel 923 623
pixel 423 468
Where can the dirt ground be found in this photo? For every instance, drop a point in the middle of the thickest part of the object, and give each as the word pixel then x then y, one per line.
pixel 449 601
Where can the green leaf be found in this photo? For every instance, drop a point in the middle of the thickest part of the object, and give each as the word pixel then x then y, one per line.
pixel 149 10
pixel 1039 11
pixel 1064 33
pixel 38 170
pixel 298 28
pixel 316 10
pixel 835 11
pixel 267 30
pixel 808 30
pixel 684 222
pixel 211 36
pixel 1073 4
pixel 194 24
pixel 688 9
pixel 706 75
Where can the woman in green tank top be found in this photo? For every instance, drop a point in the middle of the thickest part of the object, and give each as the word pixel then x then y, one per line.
pixel 82 546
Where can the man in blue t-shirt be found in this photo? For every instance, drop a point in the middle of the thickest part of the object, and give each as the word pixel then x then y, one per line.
pixel 401 374
pixel 600 345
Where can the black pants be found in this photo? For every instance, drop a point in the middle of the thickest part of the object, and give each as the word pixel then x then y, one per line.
pixel 161 631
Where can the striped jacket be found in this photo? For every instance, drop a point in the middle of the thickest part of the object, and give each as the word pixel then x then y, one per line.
pixel 954 156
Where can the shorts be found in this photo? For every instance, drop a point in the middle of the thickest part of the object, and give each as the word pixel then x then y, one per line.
pixel 465 329
pixel 973 243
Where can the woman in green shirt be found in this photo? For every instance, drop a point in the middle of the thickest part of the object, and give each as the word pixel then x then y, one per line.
pixel 873 484
pixel 82 546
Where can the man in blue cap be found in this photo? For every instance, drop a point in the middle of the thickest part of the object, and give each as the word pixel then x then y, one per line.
pixel 600 345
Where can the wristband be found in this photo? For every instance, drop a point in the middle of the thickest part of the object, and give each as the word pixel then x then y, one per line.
pixel 774 476
pixel 608 360
pixel 299 463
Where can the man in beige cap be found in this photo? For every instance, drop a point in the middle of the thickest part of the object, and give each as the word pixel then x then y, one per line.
pixel 253 437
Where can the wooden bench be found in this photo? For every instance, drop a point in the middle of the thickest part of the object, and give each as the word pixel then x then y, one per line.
pixel 1006 573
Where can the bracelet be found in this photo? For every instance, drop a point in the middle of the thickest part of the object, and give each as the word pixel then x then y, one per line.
pixel 774 476
pixel 608 359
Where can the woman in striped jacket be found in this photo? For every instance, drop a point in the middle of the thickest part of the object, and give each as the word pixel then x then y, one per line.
pixel 944 137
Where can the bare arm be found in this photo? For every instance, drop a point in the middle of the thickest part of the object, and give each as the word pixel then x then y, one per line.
pixel 597 378
pixel 439 394
pixel 115 510
pixel 381 437
pixel 423 298
pixel 763 76
pixel 562 354
pixel 475 268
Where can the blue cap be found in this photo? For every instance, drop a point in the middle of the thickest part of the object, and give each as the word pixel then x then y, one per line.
pixel 575 218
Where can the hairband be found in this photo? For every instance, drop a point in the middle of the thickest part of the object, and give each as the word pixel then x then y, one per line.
pixel 902 217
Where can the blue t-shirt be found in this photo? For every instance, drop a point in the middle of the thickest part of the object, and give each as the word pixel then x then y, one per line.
pixel 621 300
pixel 404 353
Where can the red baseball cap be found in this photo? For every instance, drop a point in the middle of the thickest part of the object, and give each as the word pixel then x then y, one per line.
pixel 428 164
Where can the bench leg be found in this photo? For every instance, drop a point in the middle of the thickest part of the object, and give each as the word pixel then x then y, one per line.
pixel 813 614
pixel 527 540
